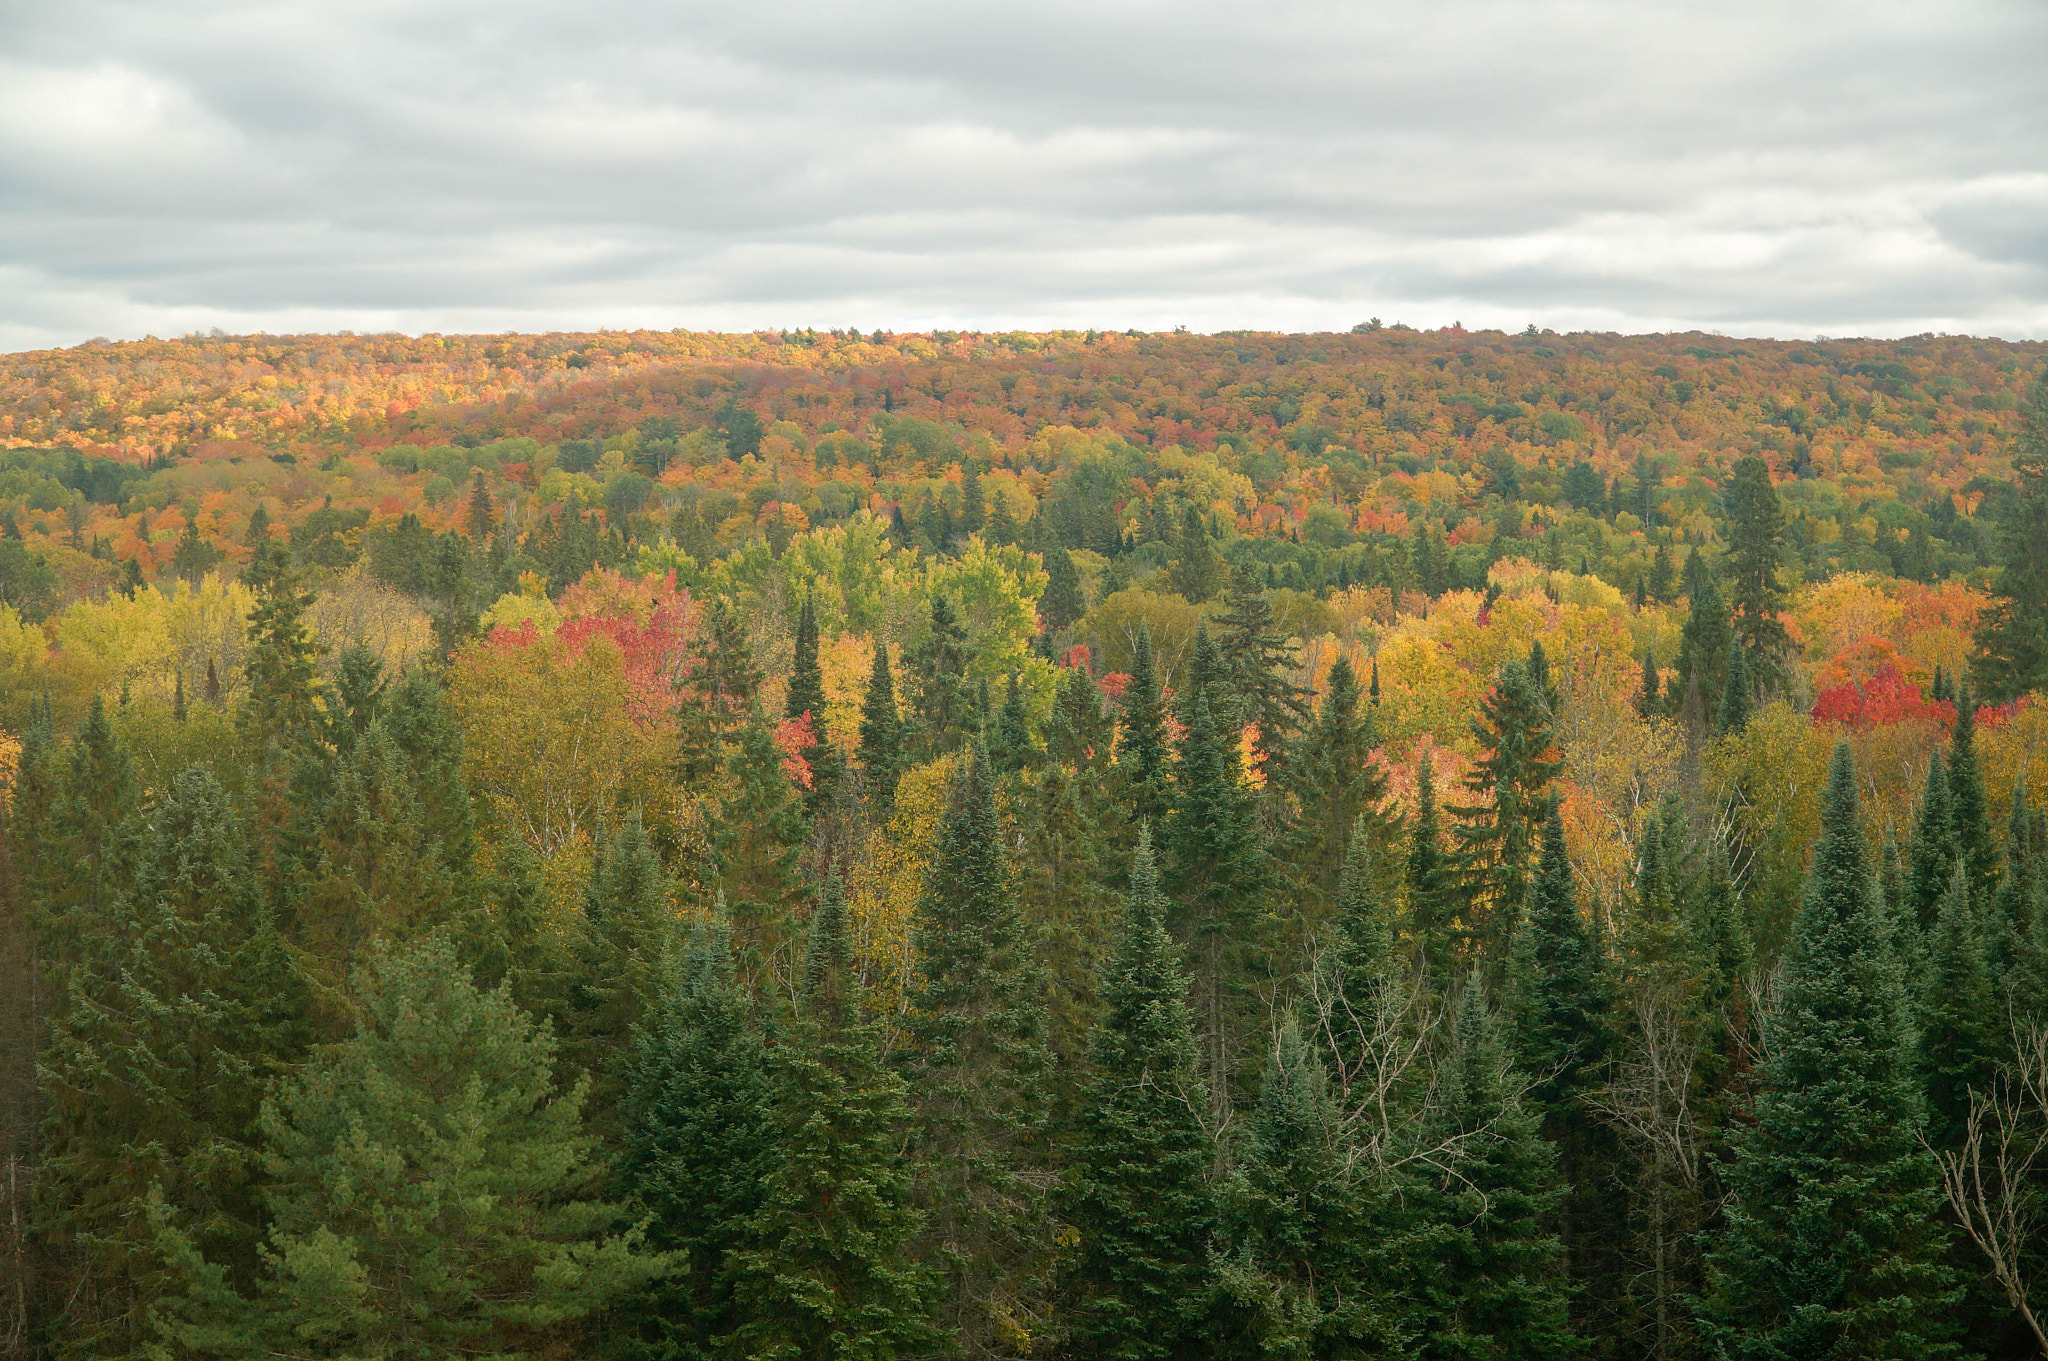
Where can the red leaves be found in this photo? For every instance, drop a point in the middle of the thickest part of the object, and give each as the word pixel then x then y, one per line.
pixel 1885 699
pixel 793 737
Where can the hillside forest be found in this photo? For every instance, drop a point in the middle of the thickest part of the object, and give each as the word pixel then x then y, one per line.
pixel 672 846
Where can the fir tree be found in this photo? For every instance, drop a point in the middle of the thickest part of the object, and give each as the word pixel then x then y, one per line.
pixel 1080 733
pixel 755 841
pixel 1663 584
pixel 285 690
pixel 1258 662
pixel 698 1142
pixel 827 1270
pixel 1958 1016
pixel 1736 699
pixel 977 1061
pixel 1062 604
pixel 430 1194
pixel 1428 872
pixel 1834 1245
pixel 1702 651
pixel 1649 702
pixel 155 1075
pixel 1197 573
pixel 938 668
pixel 1336 783
pixel 1141 736
pixel 806 699
pixel 2012 636
pixel 1012 742
pixel 1140 1281
pixel 1932 850
pixel 480 517
pixel 1218 877
pixel 1968 808
pixel 1497 839
pixel 1493 1289
pixel 617 951
pixel 1756 526
pixel 881 732
pixel 721 693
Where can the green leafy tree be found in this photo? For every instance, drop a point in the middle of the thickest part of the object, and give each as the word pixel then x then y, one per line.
pixel 1834 1244
pixel 430 1190
pixel 827 1271
pixel 1139 1282
pixel 699 1140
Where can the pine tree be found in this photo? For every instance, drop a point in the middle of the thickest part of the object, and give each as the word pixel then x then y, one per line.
pixel 698 1142
pixel 1012 742
pixel 827 1270
pixel 1493 1289
pixel 1141 736
pixel 720 695
pixel 1062 604
pixel 1140 1280
pixel 430 1194
pixel 2012 636
pixel 1217 874
pixel 881 732
pixel 155 1075
pixel 480 517
pixel 1834 1245
pixel 977 1062
pixel 1663 584
pixel 1649 703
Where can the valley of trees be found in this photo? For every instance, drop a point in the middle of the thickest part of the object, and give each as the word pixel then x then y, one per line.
pixel 1435 845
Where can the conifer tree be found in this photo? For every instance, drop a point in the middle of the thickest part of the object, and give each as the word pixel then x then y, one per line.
pixel 806 695
pixel 2012 636
pixel 881 732
pixel 1258 661
pixel 1012 742
pixel 1968 807
pixel 698 1142
pixel 480 517
pixel 78 839
pixel 1336 783
pixel 1080 732
pixel 155 1075
pixel 1140 1280
pixel 1756 526
pixel 1062 604
pixel 1932 850
pixel 1141 736
pixel 721 693
pixel 1834 1244
pixel 1493 1287
pixel 1702 651
pixel 431 1192
pixel 1197 573
pixel 977 1062
pixel 759 832
pixel 938 668
pixel 284 701
pixel 1649 702
pixel 827 1270
pixel 1497 839
pixel 1428 873
pixel 1736 699
pixel 618 949
pixel 1958 1016
pixel 1218 876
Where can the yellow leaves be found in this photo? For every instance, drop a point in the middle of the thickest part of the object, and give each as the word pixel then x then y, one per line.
pixel 886 876
pixel 359 609
pixel 516 610
pixel 845 662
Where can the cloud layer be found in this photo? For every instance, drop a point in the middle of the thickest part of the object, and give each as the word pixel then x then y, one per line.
pixel 1753 168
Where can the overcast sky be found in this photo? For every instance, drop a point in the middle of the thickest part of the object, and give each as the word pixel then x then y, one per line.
pixel 1771 168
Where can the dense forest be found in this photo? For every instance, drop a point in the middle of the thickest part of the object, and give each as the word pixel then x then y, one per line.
pixel 1436 845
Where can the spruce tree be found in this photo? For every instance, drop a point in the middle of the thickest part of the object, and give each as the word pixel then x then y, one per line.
pixel 940 696
pixel 977 1061
pixel 1012 744
pixel 806 697
pixel 1497 839
pixel 1932 850
pixel 881 732
pixel 1737 701
pixel 1062 604
pixel 155 1075
pixel 1492 1288
pixel 1141 736
pixel 759 832
pixel 1756 526
pixel 2012 636
pixel 1428 874
pixel 618 949
pixel 1196 573
pixel 284 701
pixel 827 1271
pixel 1080 733
pixel 1834 1244
pixel 1336 783
pixel 1140 1282
pixel 1968 807
pixel 431 1190
pixel 1649 702
pixel 1702 651
pixel 698 1142
pixel 720 695
pixel 1959 1020
pixel 1258 662
pixel 1218 876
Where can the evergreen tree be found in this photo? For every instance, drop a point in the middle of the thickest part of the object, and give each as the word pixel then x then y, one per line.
pixel 480 517
pixel 1736 699
pixel 1012 742
pixel 1218 877
pixel 1969 810
pixel 1062 604
pixel 155 1075
pixel 1141 736
pixel 1197 572
pixel 806 699
pixel 1834 1245
pixel 1663 582
pixel 618 949
pixel 720 695
pixel 1428 873
pixel 1958 1016
pixel 698 1142
pixel 977 1061
pixel 759 832
pixel 430 1194
pixel 1080 733
pixel 1649 703
pixel 938 669
pixel 1702 651
pixel 285 690
pixel 1140 1281
pixel 826 1271
pixel 1932 851
pixel 1756 527
pixel 1336 783
pixel 1258 661
pixel 2012 636
pixel 881 732
pixel 1493 1289
pixel 1497 839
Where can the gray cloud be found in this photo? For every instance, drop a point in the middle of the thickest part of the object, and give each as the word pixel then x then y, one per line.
pixel 1756 168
